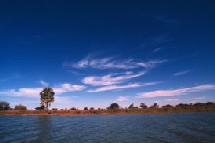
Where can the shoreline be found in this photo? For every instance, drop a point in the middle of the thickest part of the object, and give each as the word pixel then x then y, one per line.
pixel 93 112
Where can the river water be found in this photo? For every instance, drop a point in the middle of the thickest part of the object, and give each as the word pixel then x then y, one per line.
pixel 157 128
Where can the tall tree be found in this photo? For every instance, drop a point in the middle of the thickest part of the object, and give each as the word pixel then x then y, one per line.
pixel 47 97
pixel 4 105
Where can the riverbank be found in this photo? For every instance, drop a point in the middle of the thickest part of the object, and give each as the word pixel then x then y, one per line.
pixel 99 112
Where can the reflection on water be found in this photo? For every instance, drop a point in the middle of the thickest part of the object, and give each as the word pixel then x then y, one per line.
pixel 44 126
pixel 188 127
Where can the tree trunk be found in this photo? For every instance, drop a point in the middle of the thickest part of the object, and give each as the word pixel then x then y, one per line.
pixel 47 107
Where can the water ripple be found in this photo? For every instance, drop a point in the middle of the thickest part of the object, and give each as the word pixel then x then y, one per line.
pixel 187 127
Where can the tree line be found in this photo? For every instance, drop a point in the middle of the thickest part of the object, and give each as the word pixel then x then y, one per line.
pixel 6 106
pixel 47 97
pixel 115 106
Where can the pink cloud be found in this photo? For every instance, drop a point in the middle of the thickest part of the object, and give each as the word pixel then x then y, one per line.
pixel 180 91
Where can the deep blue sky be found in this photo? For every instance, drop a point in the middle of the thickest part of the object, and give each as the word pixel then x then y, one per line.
pixel 94 53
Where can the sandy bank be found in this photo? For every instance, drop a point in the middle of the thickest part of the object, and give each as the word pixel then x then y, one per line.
pixel 97 112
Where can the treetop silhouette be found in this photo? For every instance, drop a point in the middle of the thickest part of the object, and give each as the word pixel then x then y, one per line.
pixel 47 97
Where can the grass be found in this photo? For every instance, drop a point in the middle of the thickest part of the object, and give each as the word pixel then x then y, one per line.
pixel 102 112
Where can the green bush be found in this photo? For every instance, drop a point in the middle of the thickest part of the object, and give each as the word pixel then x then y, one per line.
pixel 20 107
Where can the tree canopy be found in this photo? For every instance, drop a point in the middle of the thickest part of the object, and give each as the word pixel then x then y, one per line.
pixel 85 108
pixel 131 106
pixel 20 107
pixel 143 105
pixel 113 106
pixel 4 105
pixel 47 97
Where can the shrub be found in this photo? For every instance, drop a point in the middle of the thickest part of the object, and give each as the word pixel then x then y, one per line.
pixel 40 108
pixel 143 105
pixel 92 108
pixel 113 106
pixel 85 108
pixel 73 108
pixel 155 105
pixel 20 107
pixel 131 106
pixel 167 106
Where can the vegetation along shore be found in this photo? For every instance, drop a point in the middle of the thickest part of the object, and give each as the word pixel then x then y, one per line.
pixel 113 109
pixel 47 97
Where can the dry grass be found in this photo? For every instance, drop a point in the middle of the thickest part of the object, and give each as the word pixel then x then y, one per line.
pixel 100 112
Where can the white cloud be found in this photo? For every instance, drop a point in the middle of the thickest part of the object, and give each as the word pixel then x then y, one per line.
pixel 43 83
pixel 34 92
pixel 110 79
pixel 172 99
pixel 181 73
pixel 156 49
pixel 122 98
pixel 115 87
pixel 180 91
pixel 66 87
pixel 111 63
pixel 28 92
pixel 199 98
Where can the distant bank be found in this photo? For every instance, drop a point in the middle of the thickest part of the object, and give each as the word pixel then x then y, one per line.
pixel 99 112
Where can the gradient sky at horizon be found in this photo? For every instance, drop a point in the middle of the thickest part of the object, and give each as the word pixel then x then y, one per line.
pixel 94 53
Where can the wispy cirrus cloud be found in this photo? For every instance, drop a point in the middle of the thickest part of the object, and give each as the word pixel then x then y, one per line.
pixel 180 91
pixel 172 99
pixel 110 79
pixel 181 73
pixel 66 87
pixel 167 21
pixel 116 87
pixel 43 83
pixel 112 63
pixel 133 69
pixel 121 99
pixel 156 49
pixel 156 42
pixel 199 98
pixel 34 92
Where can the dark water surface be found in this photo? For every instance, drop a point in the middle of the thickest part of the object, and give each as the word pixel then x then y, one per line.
pixel 186 127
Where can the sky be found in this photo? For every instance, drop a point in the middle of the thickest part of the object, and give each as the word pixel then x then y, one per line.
pixel 93 53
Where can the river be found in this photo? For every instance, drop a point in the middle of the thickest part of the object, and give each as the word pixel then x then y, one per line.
pixel 152 128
